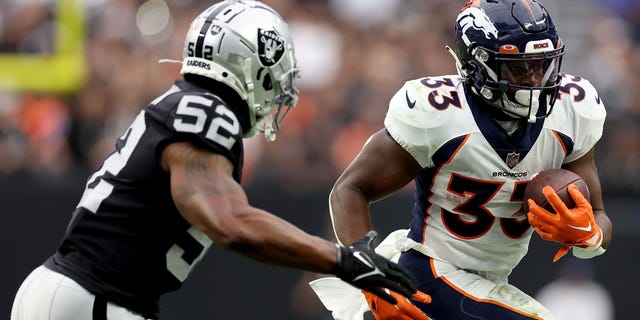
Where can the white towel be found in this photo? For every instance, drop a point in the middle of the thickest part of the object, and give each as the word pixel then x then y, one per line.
pixel 345 301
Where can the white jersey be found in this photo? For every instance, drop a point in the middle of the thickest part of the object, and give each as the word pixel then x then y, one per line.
pixel 468 208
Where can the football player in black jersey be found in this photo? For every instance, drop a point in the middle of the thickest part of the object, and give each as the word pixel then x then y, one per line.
pixel 171 187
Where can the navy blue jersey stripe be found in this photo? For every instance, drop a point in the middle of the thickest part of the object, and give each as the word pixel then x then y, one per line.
pixel 446 152
pixel 498 138
pixel 567 143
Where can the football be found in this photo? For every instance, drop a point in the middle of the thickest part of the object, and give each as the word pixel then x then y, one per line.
pixel 559 180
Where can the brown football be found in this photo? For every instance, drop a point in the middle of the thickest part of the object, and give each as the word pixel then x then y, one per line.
pixel 559 180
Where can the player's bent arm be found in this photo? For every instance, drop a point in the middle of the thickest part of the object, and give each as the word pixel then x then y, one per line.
pixel 209 198
pixel 381 168
pixel 586 168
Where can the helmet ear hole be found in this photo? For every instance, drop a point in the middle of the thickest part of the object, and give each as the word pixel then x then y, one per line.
pixel 476 74
pixel 267 83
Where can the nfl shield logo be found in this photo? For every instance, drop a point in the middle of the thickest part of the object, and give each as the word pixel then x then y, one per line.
pixel 513 158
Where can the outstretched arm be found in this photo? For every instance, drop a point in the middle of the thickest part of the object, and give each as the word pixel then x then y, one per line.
pixel 207 196
pixel 212 201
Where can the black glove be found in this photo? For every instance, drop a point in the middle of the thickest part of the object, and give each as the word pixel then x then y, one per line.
pixel 361 267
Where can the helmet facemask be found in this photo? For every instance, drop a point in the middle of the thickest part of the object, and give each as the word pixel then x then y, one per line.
pixel 519 84
pixel 270 115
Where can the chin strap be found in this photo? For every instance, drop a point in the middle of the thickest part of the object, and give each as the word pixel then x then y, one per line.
pixel 265 126
pixel 269 135
pixel 531 98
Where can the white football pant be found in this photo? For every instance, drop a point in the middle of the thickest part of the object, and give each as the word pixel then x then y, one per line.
pixel 48 295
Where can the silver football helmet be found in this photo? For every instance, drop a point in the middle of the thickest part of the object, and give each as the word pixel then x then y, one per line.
pixel 246 45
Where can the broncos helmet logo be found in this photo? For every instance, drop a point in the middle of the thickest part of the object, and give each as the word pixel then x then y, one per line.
pixel 476 18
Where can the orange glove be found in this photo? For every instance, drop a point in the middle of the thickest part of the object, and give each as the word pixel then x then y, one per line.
pixel 571 227
pixel 404 310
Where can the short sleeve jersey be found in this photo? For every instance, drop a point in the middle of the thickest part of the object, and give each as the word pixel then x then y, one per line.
pixel 469 196
pixel 127 241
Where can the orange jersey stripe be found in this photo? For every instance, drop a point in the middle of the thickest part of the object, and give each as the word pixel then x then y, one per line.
pixel 564 148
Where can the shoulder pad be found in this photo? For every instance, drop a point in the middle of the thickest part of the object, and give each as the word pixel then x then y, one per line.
pixel 420 108
pixel 200 117
pixel 579 95
pixel 579 113
pixel 426 102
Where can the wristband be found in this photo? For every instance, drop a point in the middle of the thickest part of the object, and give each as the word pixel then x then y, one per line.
pixel 590 252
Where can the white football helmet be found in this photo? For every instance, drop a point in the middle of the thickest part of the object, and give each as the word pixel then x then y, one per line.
pixel 246 45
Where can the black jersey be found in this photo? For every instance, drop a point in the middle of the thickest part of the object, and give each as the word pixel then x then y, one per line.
pixel 127 241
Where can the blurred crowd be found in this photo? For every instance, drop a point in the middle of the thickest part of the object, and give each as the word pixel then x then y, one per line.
pixel 354 55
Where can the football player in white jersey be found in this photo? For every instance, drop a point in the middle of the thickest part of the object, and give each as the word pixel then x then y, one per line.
pixel 471 142
pixel 171 187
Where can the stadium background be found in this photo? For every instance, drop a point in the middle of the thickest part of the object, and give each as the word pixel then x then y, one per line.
pixel 74 73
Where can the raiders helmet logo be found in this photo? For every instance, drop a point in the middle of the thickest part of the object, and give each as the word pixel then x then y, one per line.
pixel 270 47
